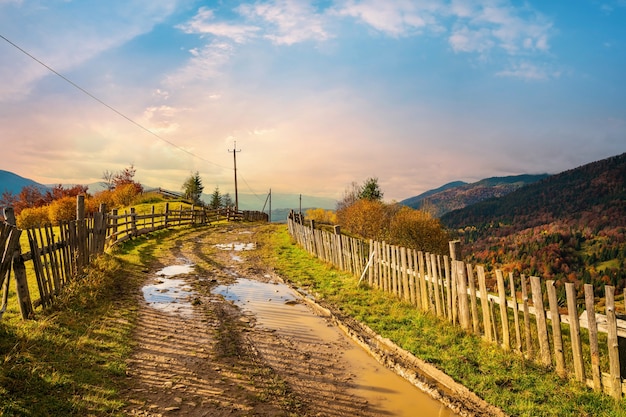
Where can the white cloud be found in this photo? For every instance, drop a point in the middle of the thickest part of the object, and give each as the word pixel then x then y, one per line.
pixel 204 64
pixel 528 72
pixel 64 38
pixel 292 21
pixel 393 17
pixel 202 23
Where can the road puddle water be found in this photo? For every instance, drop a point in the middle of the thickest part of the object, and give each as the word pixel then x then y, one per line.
pixel 276 307
pixel 169 294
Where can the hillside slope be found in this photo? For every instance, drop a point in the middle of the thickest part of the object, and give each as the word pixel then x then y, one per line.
pixel 13 183
pixel 570 226
pixel 457 195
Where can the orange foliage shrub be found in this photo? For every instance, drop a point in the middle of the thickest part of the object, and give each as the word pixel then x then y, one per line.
pixel 417 229
pixel 366 218
pixel 394 224
pixel 319 215
pixel 125 194
pixel 33 217
pixel 63 209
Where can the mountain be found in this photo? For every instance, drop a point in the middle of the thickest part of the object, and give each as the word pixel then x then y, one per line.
pixel 569 226
pixel 416 202
pixel 457 195
pixel 13 183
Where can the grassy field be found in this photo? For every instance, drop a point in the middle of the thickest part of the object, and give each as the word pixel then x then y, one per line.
pixel 70 361
pixel 518 386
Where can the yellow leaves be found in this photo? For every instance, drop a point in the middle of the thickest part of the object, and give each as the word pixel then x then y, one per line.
pixel 395 224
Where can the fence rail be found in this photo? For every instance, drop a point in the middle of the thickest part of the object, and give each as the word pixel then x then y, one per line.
pixel 532 323
pixel 59 254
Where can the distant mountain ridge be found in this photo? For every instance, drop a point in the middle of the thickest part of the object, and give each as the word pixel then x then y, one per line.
pixel 569 227
pixel 457 195
pixel 598 187
pixel 14 183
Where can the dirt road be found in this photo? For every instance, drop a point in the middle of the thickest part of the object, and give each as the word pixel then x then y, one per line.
pixel 198 355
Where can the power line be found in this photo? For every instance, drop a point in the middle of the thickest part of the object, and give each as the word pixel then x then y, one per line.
pixel 113 109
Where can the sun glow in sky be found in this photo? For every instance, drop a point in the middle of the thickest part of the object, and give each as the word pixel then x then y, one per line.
pixel 317 94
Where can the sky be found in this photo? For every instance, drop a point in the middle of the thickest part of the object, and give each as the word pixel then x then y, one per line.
pixel 314 94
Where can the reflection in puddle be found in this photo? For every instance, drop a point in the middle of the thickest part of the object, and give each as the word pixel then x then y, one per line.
pixel 238 247
pixel 170 271
pixel 172 295
pixel 276 307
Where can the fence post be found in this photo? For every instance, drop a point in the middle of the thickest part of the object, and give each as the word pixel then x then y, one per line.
pixel 557 338
pixel 529 345
pixel 574 326
pixel 540 314
pixel 484 302
pixel 21 284
pixel 611 322
pixel 596 374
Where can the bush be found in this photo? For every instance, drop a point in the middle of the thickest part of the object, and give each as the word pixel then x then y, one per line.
pixel 33 217
pixel 419 230
pixel 125 194
pixel 394 224
pixel 319 215
pixel 63 209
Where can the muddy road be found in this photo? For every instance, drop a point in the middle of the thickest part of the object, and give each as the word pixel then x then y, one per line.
pixel 219 334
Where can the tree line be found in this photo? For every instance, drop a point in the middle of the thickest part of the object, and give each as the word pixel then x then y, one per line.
pixel 362 212
pixel 35 207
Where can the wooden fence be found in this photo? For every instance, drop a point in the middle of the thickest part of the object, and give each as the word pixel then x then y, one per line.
pixel 523 314
pixel 60 254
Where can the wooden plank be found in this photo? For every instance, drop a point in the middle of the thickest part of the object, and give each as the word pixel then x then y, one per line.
pixel 504 314
pixel 540 315
pixel 464 312
pixel 594 349
pixel 555 318
pixel 574 326
pixel 406 290
pixel 527 332
pixel 518 333
pixel 473 301
pixel 484 302
pixel 446 264
pixel 435 280
pixel 418 284
pixel 614 368
pixel 423 289
pixel 429 272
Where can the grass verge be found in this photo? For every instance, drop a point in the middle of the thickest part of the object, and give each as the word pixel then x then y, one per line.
pixel 506 380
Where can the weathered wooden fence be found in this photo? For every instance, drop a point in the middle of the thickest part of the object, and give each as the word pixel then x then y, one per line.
pixel 532 323
pixel 60 254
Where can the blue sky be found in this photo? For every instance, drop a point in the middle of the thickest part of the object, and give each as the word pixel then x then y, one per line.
pixel 317 94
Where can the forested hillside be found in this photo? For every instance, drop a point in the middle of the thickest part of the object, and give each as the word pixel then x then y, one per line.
pixel 457 195
pixel 570 226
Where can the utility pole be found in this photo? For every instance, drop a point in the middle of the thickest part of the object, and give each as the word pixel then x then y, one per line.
pixel 234 151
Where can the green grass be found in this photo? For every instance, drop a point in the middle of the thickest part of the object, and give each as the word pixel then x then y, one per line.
pixel 505 379
pixel 71 360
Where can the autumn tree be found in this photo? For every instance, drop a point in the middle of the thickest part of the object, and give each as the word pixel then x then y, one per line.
pixel 126 176
pixel 192 188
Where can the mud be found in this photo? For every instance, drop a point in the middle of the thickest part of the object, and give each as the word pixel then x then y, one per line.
pixel 250 346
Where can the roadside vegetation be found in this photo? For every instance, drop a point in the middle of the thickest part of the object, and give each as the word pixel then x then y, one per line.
pixel 518 386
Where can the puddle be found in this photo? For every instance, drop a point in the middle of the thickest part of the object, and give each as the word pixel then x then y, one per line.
pixel 172 295
pixel 275 307
pixel 237 247
pixel 170 271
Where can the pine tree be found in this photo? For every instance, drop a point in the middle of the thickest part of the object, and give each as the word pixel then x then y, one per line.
pixel 192 188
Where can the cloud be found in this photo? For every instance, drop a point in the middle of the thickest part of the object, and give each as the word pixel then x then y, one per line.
pixel 202 23
pixel 66 37
pixel 396 18
pixel 205 63
pixel 290 22
pixel 528 72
